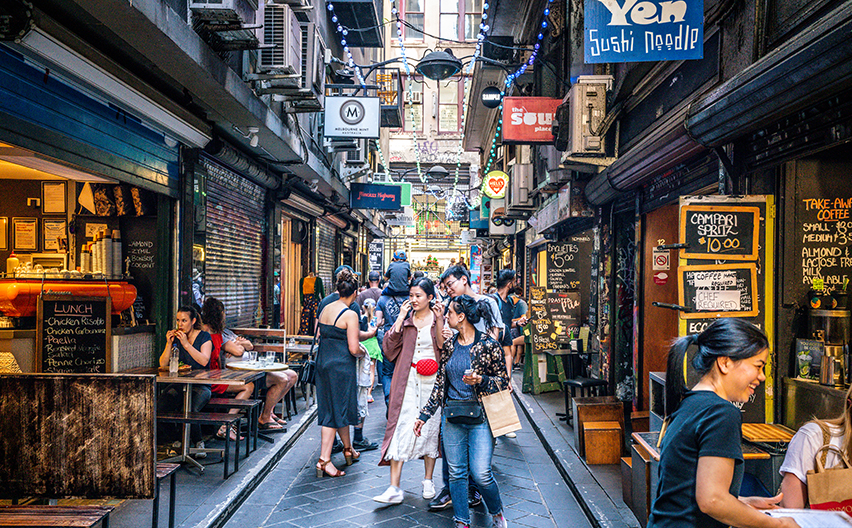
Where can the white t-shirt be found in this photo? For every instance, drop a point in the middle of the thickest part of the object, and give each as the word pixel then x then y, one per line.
pixel 804 445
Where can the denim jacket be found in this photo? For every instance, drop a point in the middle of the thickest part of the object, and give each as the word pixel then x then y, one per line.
pixel 486 358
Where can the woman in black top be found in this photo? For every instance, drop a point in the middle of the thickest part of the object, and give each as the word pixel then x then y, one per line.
pixel 471 366
pixel 701 460
pixel 194 349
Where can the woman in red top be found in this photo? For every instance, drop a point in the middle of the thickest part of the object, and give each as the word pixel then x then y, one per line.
pixel 213 316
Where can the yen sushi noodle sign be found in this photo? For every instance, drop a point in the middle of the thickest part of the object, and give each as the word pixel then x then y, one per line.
pixel 635 31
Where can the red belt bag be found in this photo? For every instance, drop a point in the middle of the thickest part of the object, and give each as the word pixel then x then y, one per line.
pixel 426 367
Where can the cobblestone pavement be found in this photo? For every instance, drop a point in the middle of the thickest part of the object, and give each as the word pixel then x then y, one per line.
pixel 532 491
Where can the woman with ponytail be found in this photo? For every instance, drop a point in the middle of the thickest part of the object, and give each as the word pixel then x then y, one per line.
pixel 701 459
pixel 472 365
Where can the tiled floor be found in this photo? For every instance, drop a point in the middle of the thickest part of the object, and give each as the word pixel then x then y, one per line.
pixel 532 491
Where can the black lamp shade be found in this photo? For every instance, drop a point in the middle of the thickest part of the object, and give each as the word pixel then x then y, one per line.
pixel 439 65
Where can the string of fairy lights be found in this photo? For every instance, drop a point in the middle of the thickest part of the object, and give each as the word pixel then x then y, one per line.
pixel 480 39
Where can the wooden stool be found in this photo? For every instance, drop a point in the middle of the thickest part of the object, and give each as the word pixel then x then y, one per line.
pixel 640 483
pixel 587 386
pixel 627 481
pixel 607 439
pixel 596 409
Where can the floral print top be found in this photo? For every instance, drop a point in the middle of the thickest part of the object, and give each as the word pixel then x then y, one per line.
pixel 486 359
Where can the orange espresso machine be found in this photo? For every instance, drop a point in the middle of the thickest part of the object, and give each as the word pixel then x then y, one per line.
pixel 19 296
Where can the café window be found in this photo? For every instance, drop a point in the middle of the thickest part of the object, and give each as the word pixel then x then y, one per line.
pixel 413 12
pixel 449 104
pixel 413 98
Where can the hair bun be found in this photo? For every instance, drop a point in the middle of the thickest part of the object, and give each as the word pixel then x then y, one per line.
pixel 345 275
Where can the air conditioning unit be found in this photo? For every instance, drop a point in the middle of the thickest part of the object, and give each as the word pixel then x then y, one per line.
pixel 336 145
pixel 412 97
pixel 222 12
pixel 313 54
pixel 358 156
pixel 586 111
pixel 281 38
pixel 520 187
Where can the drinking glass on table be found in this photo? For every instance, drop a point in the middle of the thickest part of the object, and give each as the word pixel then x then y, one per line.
pixel 251 356
pixel 270 358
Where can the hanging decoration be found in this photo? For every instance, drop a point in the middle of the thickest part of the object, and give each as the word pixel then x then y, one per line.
pixel 395 13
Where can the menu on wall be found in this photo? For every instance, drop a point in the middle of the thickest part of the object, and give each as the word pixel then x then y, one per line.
pixel 826 236
pixel 718 290
pixel 543 329
pixel 568 265
pixel 719 232
pixel 140 246
pixel 564 310
pixel 73 334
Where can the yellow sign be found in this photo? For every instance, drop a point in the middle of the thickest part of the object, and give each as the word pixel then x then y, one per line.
pixel 495 183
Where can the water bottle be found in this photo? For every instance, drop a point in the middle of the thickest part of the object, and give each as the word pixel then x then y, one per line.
pixel 174 360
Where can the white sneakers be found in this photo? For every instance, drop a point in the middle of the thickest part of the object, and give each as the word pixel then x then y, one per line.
pixel 428 490
pixel 392 495
pixel 511 435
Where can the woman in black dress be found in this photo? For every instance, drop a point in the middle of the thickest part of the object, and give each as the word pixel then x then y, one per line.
pixel 337 390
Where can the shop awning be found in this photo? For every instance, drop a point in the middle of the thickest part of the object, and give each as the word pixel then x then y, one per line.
pixel 665 145
pixel 812 66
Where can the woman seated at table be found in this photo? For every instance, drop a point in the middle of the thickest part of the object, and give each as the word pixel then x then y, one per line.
pixel 213 316
pixel 194 349
pixel 278 383
pixel 799 459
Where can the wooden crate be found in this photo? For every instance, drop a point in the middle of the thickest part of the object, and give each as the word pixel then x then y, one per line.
pixel 627 481
pixel 607 439
pixel 595 409
pixel 641 483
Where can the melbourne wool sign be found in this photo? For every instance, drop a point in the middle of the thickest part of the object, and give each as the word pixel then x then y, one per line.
pixel 635 31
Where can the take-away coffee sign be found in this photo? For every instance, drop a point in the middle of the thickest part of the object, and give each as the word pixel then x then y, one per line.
pixel 643 30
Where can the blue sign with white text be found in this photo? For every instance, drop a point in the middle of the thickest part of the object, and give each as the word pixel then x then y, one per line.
pixel 374 196
pixel 647 30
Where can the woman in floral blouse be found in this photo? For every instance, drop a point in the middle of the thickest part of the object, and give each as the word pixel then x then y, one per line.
pixel 472 364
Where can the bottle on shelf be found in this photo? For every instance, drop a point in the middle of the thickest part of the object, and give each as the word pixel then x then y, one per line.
pixel 116 253
pixel 85 260
pixel 96 253
pixel 106 253
pixel 11 263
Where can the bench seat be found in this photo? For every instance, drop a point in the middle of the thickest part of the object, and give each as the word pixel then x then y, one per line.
pixel 202 418
pixel 68 516
pixel 252 408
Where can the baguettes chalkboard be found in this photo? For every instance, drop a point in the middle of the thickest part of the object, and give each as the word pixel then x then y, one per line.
pixel 73 334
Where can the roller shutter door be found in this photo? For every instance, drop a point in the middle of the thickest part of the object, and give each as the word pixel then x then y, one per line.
pixel 234 252
pixel 326 234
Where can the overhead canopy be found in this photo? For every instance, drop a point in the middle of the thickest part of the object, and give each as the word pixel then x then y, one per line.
pixel 812 66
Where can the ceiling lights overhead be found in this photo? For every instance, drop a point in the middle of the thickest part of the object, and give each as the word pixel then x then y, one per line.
pixel 439 65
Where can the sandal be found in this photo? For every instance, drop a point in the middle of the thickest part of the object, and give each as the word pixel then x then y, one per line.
pixel 351 455
pixel 221 433
pixel 322 470
pixel 280 421
pixel 270 426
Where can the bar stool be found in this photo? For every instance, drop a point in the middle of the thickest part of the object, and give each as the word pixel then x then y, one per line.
pixel 588 387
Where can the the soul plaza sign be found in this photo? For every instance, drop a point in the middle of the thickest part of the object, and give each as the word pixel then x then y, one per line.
pixel 635 31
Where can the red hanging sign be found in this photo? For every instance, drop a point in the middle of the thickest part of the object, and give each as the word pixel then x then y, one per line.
pixel 528 120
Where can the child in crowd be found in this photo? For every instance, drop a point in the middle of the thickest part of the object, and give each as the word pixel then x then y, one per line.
pixel 398 275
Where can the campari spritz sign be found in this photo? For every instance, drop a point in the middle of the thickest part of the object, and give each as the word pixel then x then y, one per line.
pixel 643 30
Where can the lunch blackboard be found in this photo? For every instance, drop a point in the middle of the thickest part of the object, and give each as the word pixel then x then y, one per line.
pixel 564 310
pixel 73 334
pixel 719 232
pixel 543 329
pixel 718 290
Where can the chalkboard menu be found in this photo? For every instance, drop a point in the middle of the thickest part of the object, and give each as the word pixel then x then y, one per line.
pixel 718 290
pixel 719 232
pixel 825 228
pixel 568 264
pixel 564 310
pixel 73 334
pixel 139 241
pixel 543 329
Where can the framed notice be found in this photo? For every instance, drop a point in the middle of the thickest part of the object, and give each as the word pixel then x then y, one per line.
pixel 26 234
pixel 55 237
pixel 53 197
pixel 4 233
pixel 718 290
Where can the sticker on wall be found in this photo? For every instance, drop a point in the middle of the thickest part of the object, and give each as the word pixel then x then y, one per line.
pixel 661 278
pixel 661 260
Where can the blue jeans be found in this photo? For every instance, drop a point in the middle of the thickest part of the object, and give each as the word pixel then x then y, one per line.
pixel 468 450
pixel 387 377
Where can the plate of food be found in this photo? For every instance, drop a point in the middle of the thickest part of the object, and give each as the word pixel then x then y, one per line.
pixel 183 367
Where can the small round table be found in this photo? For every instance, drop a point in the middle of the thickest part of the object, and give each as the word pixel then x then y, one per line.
pixel 256 366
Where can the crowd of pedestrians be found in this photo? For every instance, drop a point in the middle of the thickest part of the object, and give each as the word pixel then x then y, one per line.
pixel 442 347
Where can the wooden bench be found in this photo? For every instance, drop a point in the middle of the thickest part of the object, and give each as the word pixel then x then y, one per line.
pixel 252 409
pixel 216 419
pixel 165 470
pixel 67 516
pixel 88 436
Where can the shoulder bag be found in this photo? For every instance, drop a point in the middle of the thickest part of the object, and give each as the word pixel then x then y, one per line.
pixel 466 412
pixel 308 373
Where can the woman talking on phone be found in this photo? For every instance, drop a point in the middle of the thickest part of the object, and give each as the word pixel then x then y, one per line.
pixel 472 365
pixel 701 457
pixel 415 342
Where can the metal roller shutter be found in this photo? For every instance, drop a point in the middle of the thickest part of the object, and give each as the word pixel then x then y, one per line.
pixel 325 254
pixel 234 253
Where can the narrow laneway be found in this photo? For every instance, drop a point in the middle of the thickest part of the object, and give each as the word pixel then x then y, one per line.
pixel 533 493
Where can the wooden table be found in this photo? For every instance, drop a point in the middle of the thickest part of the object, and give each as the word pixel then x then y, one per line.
pixel 196 377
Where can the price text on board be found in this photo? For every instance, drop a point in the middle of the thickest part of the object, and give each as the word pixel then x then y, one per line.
pixel 719 232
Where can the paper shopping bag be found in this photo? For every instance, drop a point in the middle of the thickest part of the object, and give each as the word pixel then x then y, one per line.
pixel 830 489
pixel 501 413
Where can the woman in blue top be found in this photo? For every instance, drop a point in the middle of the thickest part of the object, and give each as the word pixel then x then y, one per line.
pixel 194 349
pixel 701 459
pixel 472 365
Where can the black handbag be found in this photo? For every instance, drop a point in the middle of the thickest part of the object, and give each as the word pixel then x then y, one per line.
pixel 308 373
pixel 466 412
